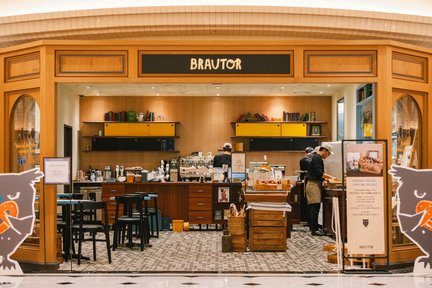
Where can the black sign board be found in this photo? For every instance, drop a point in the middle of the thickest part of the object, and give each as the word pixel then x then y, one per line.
pixel 216 64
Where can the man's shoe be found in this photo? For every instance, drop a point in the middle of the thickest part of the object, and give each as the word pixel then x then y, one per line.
pixel 318 233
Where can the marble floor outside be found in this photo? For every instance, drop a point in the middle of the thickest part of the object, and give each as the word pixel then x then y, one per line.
pixel 216 280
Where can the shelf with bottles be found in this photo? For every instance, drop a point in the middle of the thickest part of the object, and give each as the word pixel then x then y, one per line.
pixel 365 92
pixel 365 111
pixel 150 136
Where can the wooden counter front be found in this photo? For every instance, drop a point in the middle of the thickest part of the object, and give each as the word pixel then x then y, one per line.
pixel 190 201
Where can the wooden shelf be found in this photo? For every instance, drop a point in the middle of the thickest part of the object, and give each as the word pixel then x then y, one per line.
pixel 282 122
pixel 97 136
pixel 144 122
pixel 143 151
pixel 278 137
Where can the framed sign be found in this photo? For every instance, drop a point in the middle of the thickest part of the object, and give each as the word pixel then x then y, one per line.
pixel 57 170
pixel 238 166
pixel 315 130
pixel 223 194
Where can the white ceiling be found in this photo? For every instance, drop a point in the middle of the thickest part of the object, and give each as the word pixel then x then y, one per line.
pixel 210 89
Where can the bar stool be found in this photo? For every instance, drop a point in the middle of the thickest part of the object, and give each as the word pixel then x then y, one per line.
pixel 154 214
pixel 145 199
pixel 131 203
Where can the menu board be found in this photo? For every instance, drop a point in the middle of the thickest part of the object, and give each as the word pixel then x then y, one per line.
pixel 365 199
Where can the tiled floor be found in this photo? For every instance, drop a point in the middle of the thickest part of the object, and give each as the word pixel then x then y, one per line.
pixel 201 252
pixel 217 280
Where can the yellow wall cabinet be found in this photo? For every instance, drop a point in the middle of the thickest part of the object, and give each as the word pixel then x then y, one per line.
pixel 139 129
pixel 294 129
pixel 258 129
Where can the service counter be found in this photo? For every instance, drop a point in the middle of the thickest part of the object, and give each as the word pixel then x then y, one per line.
pixel 197 203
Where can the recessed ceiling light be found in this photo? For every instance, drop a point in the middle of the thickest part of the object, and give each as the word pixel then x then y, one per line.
pixel 328 85
pixel 153 87
pixel 282 88
pixel 157 94
pixel 217 94
pixel 321 92
pixel 88 87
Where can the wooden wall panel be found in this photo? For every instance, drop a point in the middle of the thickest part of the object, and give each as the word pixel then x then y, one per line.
pixel 409 67
pixel 22 67
pixel 91 63
pixel 339 63
pixel 205 124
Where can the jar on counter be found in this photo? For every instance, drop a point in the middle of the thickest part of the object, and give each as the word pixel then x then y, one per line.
pixel 130 178
pixel 138 178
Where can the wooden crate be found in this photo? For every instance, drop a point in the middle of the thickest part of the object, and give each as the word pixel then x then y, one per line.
pixel 267 230
pixel 267 239
pixel 238 243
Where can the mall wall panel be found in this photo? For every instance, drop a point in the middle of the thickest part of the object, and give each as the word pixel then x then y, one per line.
pixel 409 67
pixel 340 63
pixel 91 63
pixel 22 67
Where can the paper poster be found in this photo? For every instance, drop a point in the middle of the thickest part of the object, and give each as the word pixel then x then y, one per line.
pixel 57 170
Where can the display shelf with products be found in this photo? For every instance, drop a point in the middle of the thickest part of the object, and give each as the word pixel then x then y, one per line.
pixel 406 151
pixel 129 136
pixel 280 136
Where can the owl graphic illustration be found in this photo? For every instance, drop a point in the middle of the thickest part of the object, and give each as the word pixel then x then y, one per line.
pixel 414 211
pixel 17 197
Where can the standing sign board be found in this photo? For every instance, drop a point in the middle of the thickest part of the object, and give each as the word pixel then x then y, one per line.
pixel 365 199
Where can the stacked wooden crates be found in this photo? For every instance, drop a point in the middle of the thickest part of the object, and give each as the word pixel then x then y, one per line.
pixel 267 230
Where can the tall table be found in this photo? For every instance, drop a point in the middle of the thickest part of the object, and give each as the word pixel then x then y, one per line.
pixel 67 205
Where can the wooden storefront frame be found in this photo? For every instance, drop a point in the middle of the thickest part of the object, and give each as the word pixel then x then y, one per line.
pixel 380 74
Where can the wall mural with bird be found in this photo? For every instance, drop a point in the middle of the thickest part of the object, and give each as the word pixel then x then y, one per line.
pixel 414 211
pixel 17 215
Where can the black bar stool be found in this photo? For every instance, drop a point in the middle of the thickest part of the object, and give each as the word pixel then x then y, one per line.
pixel 132 203
pixel 154 214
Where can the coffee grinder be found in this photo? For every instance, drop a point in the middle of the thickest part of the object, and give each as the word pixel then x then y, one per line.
pixel 173 170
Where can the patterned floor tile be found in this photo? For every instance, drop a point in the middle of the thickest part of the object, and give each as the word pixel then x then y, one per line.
pixel 201 251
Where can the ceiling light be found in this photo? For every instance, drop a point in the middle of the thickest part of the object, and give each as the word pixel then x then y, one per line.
pixel 217 94
pixel 88 87
pixel 321 92
pixel 282 88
